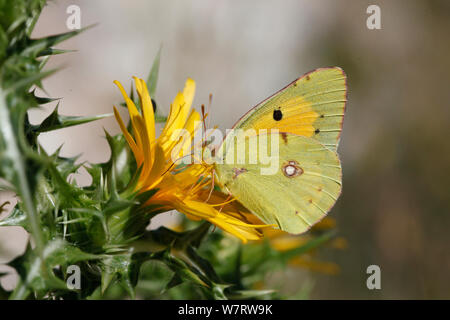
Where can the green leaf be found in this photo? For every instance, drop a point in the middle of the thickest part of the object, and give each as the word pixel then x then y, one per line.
pixel 59 252
pixel 174 281
pixel 42 100
pixel 52 52
pixel 193 237
pixel 27 82
pixel 218 291
pixel 193 258
pixel 56 121
pixel 152 78
pixel 119 169
pixel 123 268
pixel 160 118
pixel 41 47
pixel 37 273
pixel 152 81
pixel 16 218
pixel 182 269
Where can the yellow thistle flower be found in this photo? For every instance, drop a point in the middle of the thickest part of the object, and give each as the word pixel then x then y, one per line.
pixel 187 190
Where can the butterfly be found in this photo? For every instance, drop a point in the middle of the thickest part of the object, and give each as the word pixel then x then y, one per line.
pixel 307 181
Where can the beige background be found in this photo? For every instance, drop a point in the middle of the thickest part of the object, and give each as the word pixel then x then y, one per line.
pixel 395 205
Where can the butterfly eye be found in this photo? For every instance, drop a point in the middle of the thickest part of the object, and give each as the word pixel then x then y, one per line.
pixel 277 115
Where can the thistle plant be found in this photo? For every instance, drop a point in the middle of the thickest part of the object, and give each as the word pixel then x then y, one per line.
pixel 218 251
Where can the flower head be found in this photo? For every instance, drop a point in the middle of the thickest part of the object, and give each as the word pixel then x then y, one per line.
pixel 185 188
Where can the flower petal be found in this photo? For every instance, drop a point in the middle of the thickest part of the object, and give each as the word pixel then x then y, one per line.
pixel 189 92
pixel 133 111
pixel 137 153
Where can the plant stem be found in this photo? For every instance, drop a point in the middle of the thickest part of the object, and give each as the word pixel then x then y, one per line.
pixel 22 185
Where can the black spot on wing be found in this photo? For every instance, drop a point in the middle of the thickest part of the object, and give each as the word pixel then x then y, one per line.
pixel 277 115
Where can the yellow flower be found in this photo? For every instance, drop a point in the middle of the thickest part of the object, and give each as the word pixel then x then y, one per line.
pixel 186 189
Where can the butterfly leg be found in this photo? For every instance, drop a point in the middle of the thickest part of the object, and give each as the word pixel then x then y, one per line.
pixel 226 201
pixel 212 185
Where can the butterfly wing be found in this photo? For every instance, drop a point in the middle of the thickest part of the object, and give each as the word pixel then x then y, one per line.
pixel 311 106
pixel 305 185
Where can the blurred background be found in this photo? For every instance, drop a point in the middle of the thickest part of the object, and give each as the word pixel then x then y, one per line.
pixel 394 210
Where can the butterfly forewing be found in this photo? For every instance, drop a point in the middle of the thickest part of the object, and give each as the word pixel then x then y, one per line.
pixel 311 106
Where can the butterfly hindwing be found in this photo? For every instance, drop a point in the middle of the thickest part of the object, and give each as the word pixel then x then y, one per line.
pixel 311 106
pixel 303 188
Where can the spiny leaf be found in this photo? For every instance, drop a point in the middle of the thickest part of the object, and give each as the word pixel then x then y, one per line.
pixel 33 274
pixel 218 291
pixel 59 252
pixel 16 218
pixel 152 78
pixel 40 47
pixel 52 52
pixel 174 281
pixel 152 81
pixel 194 237
pixel 182 269
pixel 42 100
pixel 202 264
pixel 25 83
pixel 117 171
pixel 56 121
pixel 124 268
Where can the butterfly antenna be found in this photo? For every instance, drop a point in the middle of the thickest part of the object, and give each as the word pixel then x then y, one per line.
pixel 206 137
pixel 208 110
pixel 204 115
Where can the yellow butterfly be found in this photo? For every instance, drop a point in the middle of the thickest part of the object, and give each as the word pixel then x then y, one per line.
pixel 307 180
